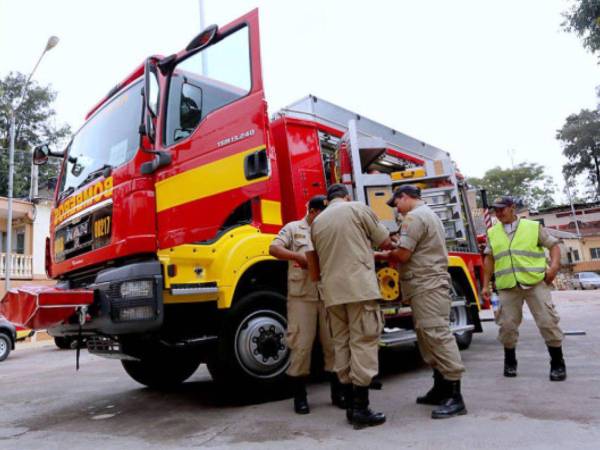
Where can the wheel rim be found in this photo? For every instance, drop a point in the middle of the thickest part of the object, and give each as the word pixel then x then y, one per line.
pixel 458 314
pixel 260 346
pixel 3 347
pixel 458 318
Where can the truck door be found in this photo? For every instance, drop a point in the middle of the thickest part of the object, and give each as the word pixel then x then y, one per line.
pixel 214 124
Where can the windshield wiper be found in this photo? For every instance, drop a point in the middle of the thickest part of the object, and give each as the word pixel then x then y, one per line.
pixel 64 194
pixel 104 170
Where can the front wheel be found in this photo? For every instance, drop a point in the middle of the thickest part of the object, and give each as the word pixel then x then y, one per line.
pixel 252 345
pixel 162 372
pixel 5 346
pixel 460 316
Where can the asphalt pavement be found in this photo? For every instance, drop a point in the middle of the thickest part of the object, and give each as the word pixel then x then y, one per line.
pixel 46 404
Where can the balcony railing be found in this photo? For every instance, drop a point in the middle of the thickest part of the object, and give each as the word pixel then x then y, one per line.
pixel 20 266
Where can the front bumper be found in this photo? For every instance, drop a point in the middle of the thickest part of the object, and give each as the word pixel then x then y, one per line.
pixel 118 311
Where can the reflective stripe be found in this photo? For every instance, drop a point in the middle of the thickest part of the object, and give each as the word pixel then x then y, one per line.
pixel 520 269
pixel 519 253
pixel 528 253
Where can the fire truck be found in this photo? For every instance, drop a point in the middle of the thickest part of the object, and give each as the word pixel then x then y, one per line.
pixel 171 192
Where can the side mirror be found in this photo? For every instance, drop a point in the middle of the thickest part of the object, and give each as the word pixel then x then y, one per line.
pixel 203 39
pixel 151 95
pixel 40 154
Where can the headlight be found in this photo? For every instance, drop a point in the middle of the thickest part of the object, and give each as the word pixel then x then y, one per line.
pixel 136 313
pixel 136 289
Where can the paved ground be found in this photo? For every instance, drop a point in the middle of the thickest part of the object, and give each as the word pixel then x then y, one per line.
pixel 46 404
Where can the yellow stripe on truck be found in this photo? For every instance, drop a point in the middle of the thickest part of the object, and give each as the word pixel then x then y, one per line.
pixel 207 180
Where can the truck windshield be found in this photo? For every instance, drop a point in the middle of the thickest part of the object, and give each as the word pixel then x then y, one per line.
pixel 109 138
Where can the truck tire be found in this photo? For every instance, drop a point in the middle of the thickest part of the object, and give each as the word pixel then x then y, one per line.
pixel 162 372
pixel 460 316
pixel 5 346
pixel 252 348
pixel 62 342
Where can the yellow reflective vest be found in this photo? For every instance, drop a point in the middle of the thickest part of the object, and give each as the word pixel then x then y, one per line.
pixel 520 259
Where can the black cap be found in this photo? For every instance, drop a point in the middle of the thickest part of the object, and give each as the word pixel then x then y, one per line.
pixel 408 189
pixel 318 202
pixel 337 190
pixel 503 202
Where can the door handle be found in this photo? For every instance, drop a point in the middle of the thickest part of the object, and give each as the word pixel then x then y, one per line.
pixel 256 165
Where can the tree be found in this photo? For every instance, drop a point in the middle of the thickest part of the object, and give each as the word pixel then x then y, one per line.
pixel 526 180
pixel 35 124
pixel 580 136
pixel 583 19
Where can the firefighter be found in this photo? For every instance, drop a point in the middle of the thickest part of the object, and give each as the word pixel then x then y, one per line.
pixel 423 264
pixel 515 256
pixel 305 311
pixel 343 237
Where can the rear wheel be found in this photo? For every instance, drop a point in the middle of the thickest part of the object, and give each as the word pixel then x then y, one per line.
pixel 62 342
pixel 460 316
pixel 252 345
pixel 162 371
pixel 5 346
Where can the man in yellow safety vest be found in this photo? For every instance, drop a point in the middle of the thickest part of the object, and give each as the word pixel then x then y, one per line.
pixel 515 256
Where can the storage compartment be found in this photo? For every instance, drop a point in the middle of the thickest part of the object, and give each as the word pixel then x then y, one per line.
pixel 450 229
pixel 408 174
pixel 377 196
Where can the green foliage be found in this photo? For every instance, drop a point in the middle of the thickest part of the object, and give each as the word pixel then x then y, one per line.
pixel 580 137
pixel 35 124
pixel 526 180
pixel 583 19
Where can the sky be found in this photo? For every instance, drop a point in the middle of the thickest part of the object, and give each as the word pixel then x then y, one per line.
pixel 490 82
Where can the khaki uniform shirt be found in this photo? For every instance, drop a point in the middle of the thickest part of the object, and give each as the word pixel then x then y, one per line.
pixel 343 236
pixel 295 237
pixel 422 232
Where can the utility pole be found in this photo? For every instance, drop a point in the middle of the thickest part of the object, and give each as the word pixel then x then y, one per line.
pixel 202 27
pixel 52 41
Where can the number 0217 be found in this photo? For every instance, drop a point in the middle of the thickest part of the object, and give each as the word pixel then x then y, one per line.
pixel 102 227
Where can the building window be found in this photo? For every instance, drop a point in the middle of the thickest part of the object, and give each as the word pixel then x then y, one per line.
pixel 575 255
pixel 19 243
pixel 595 253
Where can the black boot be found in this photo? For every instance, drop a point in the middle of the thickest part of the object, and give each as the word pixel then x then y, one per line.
pixel 436 394
pixel 337 391
pixel 360 415
pixel 510 363
pixel 300 400
pixel 558 370
pixel 453 405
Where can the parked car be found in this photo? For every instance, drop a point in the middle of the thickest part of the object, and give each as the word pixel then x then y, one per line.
pixel 586 280
pixel 8 336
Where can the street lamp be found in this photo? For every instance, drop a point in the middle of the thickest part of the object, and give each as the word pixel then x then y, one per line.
pixel 52 41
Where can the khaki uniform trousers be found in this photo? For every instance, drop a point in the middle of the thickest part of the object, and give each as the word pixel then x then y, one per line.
pixel 355 329
pixel 539 301
pixel 305 318
pixel 431 315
